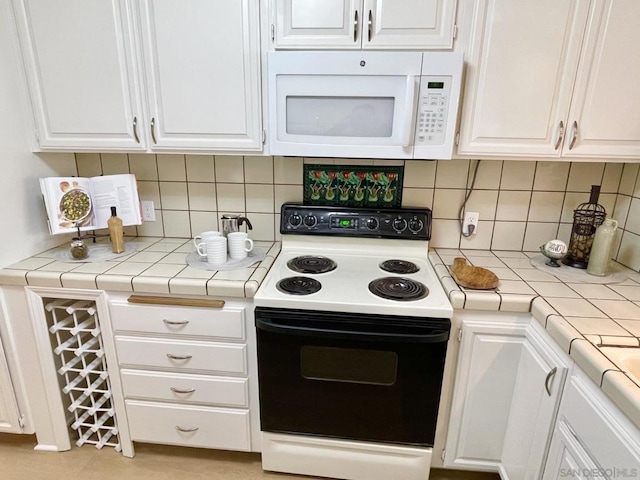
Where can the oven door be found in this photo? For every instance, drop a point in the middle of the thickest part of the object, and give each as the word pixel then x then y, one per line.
pixel 352 376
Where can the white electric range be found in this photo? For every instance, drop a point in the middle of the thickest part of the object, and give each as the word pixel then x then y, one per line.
pixel 352 329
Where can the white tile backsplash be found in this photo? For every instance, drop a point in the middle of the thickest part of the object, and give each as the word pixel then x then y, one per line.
pixel 521 203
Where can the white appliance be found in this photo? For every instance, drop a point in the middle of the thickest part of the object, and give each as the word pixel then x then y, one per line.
pixel 363 104
pixel 352 330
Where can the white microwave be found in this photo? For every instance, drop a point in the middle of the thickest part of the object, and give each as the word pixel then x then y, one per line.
pixel 363 104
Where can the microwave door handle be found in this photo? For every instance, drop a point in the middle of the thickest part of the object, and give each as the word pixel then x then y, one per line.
pixel 410 98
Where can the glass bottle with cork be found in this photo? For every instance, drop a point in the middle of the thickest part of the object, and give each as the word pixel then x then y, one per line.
pixel 116 232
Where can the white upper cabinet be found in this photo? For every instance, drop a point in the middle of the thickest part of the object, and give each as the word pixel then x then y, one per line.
pixel 605 111
pixel 79 61
pixel 92 65
pixel 368 24
pixel 550 79
pixel 202 71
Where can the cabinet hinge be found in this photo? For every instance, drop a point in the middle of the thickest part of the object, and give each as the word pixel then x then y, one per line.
pixel 21 421
pixel 442 454
pixel 459 334
pixel 457 139
pixel 273 32
pixel 455 31
pixel 264 137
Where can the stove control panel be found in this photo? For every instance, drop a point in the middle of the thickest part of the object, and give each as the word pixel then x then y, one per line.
pixel 403 223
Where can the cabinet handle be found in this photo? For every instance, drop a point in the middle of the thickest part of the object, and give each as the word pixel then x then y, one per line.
pixel 179 357
pixel 153 130
pixel 186 390
pixel 135 129
pixel 175 322
pixel 186 430
pixel 560 135
pixel 356 25
pixel 547 380
pixel 370 25
pixel 575 135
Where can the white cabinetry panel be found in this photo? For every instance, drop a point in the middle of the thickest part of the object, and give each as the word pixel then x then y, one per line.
pixel 408 24
pixel 189 425
pixel 202 70
pixel 368 24
pixel 486 377
pixel 551 79
pixel 79 62
pixel 9 413
pixel 606 99
pixel 522 58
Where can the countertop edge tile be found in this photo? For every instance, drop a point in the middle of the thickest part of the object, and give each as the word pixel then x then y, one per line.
pixel 624 393
pixel 591 360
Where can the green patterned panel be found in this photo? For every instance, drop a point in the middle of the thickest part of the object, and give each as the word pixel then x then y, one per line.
pixel 353 185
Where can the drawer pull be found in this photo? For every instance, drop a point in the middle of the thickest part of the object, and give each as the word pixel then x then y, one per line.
pixel 175 322
pixel 186 430
pixel 177 301
pixel 186 390
pixel 179 357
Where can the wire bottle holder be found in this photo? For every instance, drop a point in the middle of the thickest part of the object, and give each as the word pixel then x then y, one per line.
pixel 586 218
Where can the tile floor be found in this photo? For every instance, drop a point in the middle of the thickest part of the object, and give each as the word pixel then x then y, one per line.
pixel 18 461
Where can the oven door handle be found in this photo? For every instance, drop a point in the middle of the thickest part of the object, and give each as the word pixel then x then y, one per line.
pixel 268 325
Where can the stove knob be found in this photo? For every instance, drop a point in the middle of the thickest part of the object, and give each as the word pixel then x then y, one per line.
pixel 372 223
pixel 415 225
pixel 310 221
pixel 399 224
pixel 295 220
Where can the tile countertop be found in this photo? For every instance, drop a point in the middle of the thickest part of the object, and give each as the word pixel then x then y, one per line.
pixel 158 266
pixel 579 316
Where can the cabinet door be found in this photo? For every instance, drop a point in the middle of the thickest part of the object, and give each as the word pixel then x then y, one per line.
pixel 535 402
pixel 318 23
pixel 202 69
pixel 78 58
pixel 567 458
pixel 521 64
pixel 605 111
pixel 408 24
pixel 9 413
pixel 483 391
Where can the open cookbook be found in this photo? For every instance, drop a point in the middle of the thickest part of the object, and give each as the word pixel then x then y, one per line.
pixel 85 203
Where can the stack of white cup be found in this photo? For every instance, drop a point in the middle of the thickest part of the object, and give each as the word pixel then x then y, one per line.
pixel 212 246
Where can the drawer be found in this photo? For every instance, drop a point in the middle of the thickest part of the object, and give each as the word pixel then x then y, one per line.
pixel 227 322
pixel 183 355
pixel 185 388
pixel 192 426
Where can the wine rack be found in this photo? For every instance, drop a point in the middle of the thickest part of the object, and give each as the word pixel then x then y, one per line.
pixel 84 380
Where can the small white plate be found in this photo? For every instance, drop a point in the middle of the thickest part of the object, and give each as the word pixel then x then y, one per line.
pixel 196 261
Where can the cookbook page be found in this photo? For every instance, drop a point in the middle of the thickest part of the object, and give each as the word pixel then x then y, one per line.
pixel 68 204
pixel 118 191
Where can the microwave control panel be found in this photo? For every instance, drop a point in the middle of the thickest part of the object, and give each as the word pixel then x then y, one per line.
pixel 433 109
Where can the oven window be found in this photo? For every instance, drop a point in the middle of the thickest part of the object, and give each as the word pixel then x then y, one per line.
pixel 340 116
pixel 375 367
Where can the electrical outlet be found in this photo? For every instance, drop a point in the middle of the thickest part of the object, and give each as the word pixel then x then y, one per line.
pixel 148 211
pixel 470 223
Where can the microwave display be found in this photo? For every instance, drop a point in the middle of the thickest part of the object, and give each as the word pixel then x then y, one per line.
pixel 435 85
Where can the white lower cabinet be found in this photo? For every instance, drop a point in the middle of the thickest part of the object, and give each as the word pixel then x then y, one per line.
pixel 191 426
pixel 188 374
pixel 567 458
pixel 9 413
pixel 592 438
pixel 506 393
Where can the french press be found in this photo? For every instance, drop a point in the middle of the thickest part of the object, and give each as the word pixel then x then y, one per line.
pixel 231 223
